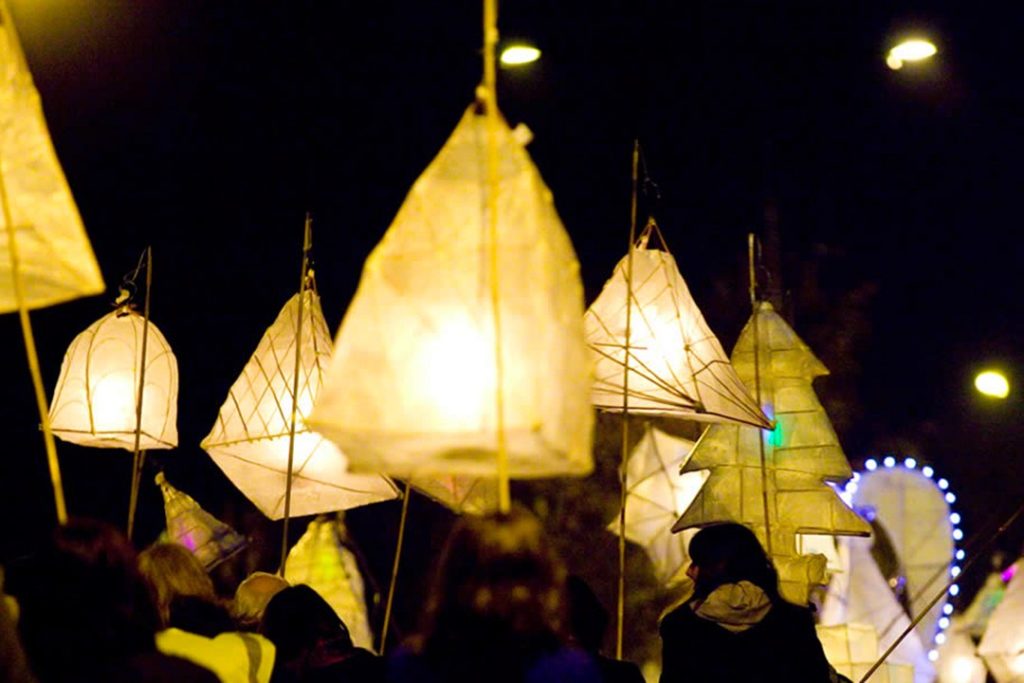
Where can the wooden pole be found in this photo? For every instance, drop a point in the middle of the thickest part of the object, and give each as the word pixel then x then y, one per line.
pixel 752 264
pixel 394 568
pixel 139 455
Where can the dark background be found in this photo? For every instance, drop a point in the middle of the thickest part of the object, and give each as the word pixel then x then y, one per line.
pixel 888 201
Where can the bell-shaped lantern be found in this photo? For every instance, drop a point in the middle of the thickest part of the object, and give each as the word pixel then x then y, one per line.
pixel 97 392
pixel 322 561
pixel 54 258
pixel 676 365
pixel 210 540
pixel 413 381
pixel 250 439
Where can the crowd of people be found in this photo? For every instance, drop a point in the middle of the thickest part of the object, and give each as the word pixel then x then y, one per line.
pixel 502 609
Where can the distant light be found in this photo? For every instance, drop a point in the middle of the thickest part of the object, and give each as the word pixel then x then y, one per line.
pixel 889 461
pixel 954 571
pixel 950 498
pixel 947 609
pixel 910 463
pixel 944 622
pixel 954 590
pixel 960 554
pixel 927 471
pixel 910 51
pixel 958 535
pixel 852 487
pixel 943 484
pixel 856 477
pixel 992 383
pixel 954 518
pixel 515 55
pixel 870 464
pixel 933 655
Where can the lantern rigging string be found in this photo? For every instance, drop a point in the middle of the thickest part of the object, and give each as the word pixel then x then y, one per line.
pixel 124 300
pixel 752 257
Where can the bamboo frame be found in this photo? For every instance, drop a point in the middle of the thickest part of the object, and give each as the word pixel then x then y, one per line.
pixel 138 455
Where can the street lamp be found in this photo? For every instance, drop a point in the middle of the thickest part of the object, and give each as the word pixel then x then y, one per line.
pixel 517 54
pixel 992 383
pixel 913 50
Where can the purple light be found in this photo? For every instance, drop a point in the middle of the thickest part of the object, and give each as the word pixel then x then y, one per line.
pixel 870 464
pixel 1009 573
pixel 958 534
pixel 954 518
pixel 943 484
pixel 960 554
pixel 954 590
pixel 889 461
pixel 950 498
pixel 947 609
pixel 927 471
pixel 910 463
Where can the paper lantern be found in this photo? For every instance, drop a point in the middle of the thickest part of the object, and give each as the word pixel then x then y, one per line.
pixel 55 259
pixel 412 383
pixel 1002 646
pixel 677 367
pixel 801 454
pixel 95 400
pixel 322 561
pixel 852 649
pixel 460 494
pixel 250 439
pixel 958 661
pixel 657 494
pixel 210 540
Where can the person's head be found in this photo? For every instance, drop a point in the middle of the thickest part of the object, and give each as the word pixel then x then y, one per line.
pixel 252 596
pixel 297 620
pixel 730 553
pixel 174 572
pixel 588 618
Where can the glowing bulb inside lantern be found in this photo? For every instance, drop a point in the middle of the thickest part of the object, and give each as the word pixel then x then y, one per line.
pixel 113 403
pixel 458 373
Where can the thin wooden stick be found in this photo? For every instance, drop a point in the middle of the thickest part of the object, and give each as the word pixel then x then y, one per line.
pixel 752 263
pixel 394 567
pixel 139 455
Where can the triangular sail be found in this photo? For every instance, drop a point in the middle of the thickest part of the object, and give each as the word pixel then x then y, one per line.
pixel 210 540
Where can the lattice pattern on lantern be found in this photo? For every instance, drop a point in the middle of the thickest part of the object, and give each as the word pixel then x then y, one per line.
pixel 249 441
pixel 210 540
pixel 1002 646
pixel 677 367
pixel 321 560
pixel 461 494
pixel 412 384
pixel 56 261
pixel 657 494
pixel 94 403
pixel 802 453
pixel 852 650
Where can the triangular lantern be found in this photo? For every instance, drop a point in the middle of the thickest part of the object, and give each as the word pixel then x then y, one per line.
pixel 460 494
pixel 412 385
pixel 1002 646
pixel 322 561
pixel 210 540
pixel 656 497
pixel 677 367
pixel 94 403
pixel 801 454
pixel 55 259
pixel 249 441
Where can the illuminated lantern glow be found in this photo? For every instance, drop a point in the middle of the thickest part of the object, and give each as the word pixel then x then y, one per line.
pixel 321 560
pixel 411 389
pixel 992 383
pixel 852 649
pixel 210 540
pixel 914 50
pixel 655 498
pixel 249 440
pixel 1002 646
pixel 56 261
pixel 798 469
pixel 516 55
pixel 94 403
pixel 677 367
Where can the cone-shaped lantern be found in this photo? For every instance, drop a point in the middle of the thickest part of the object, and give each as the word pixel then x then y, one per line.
pixel 322 561
pixel 210 540
pixel 677 367
pixel 1002 646
pixel 249 440
pixel 95 400
pixel 801 454
pixel 413 380
pixel 460 494
pixel 55 259
pixel 656 497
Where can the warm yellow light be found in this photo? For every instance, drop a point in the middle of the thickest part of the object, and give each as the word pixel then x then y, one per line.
pixel 992 383
pixel 514 55
pixel 910 51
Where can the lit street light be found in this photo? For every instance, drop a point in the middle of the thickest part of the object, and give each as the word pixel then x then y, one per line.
pixel 915 50
pixel 518 54
pixel 992 383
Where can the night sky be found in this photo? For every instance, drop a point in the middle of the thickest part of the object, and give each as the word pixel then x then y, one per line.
pixel 209 129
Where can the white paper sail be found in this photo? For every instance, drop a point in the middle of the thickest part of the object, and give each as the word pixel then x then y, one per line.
pixel 321 561
pixel 56 261
pixel 95 401
pixel 210 540
pixel 802 453
pixel 249 440
pixel 411 389
pixel 460 494
pixel 1002 646
pixel 656 496
pixel 677 367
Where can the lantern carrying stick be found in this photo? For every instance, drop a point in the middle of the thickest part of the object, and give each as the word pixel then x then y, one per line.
pixel 394 567
pixel 139 455
pixel 307 245
pixel 30 348
pixel 752 267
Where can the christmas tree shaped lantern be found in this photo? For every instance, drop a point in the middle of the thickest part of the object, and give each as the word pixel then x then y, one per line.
pixel 251 438
pixel 322 561
pixel 776 482
pixel 210 540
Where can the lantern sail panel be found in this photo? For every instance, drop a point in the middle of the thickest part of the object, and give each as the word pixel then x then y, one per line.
pixel 210 540
pixel 322 561
pixel 250 439
pixel 56 261
pixel 657 495
pixel 412 383
pixel 94 403
pixel 802 453
pixel 460 494
pixel 1002 646
pixel 677 367
pixel 852 649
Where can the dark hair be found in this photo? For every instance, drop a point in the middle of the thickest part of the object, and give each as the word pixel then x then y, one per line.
pixel 297 619
pixel 588 619
pixel 730 553
pixel 497 601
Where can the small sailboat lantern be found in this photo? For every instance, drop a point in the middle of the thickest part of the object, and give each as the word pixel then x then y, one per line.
pixel 210 540
pixel 676 365
pixel 250 439
pixel 789 495
pixel 417 367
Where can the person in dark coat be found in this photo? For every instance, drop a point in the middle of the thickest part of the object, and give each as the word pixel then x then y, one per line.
pixel 736 627
pixel 588 620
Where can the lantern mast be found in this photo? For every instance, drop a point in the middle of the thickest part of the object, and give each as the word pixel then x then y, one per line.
pixel 752 250
pixel 138 455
